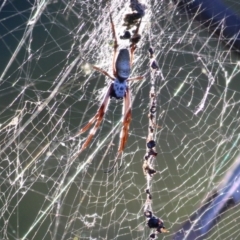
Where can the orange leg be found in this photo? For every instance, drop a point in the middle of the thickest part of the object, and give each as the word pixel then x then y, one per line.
pixel 135 38
pixel 115 46
pixel 127 117
pixel 97 119
pixel 103 72
pixel 135 78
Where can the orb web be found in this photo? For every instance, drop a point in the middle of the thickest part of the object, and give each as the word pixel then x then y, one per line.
pixel 49 91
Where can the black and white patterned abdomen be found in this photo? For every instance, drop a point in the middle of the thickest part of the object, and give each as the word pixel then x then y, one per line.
pixel 119 89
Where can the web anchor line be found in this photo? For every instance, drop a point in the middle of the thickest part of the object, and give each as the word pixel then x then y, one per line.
pixel 153 222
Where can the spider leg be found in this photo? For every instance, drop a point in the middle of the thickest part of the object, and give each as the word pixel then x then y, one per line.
pixel 97 119
pixel 103 72
pixel 135 78
pixel 115 46
pixel 135 38
pixel 127 117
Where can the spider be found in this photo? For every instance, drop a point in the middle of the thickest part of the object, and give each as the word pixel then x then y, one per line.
pixel 119 89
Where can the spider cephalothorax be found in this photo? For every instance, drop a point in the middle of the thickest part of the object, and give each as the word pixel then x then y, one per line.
pixel 119 89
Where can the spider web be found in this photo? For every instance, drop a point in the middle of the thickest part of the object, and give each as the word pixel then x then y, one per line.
pixel 49 91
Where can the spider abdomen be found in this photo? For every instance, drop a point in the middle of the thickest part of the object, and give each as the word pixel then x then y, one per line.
pixel 123 64
pixel 119 89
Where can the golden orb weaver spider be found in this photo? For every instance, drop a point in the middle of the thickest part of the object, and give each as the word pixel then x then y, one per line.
pixel 119 89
